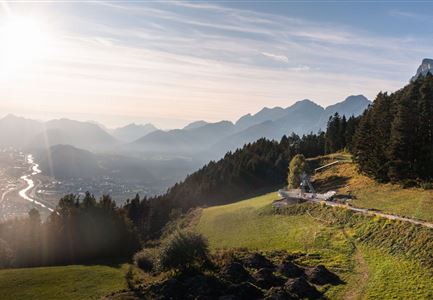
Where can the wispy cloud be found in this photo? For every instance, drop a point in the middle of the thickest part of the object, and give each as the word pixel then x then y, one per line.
pixel 149 59
pixel 281 58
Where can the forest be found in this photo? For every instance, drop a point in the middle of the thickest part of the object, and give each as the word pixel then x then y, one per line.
pixel 394 138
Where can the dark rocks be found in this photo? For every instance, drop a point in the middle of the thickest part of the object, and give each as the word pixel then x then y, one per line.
pixel 265 278
pixel 301 288
pixel 235 272
pixel 194 287
pixel 289 269
pixel 203 286
pixel 320 275
pixel 168 289
pixel 245 276
pixel 277 293
pixel 245 291
pixel 257 261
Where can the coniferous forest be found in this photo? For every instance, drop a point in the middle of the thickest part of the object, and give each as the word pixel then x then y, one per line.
pixel 394 139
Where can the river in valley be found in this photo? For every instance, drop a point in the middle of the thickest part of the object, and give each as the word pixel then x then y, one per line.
pixel 28 193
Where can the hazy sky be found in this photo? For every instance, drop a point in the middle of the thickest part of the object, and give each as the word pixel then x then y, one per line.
pixel 171 62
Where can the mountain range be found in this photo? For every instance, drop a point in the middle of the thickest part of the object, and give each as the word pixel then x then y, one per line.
pixel 198 139
pixel 212 140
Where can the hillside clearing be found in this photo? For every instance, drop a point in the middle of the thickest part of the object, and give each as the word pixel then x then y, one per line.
pixel 63 282
pixel 367 193
pixel 245 224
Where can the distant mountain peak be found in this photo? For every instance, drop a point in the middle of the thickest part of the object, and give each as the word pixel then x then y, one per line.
pixel 353 105
pixel 356 98
pixel 12 117
pixel 133 131
pixel 195 125
pixel 305 101
pixel 304 104
pixel 425 67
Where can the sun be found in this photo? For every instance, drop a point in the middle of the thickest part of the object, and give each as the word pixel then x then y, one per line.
pixel 23 41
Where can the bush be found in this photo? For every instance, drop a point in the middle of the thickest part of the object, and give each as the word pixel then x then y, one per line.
pixel 145 259
pixel 408 183
pixel 427 185
pixel 183 250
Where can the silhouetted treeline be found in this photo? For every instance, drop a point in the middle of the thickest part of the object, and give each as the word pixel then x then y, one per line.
pixel 80 231
pixel 256 167
pixel 394 139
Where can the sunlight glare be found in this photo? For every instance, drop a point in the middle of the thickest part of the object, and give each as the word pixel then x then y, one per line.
pixel 23 41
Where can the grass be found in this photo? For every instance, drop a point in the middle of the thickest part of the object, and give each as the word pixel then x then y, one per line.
pixel 246 224
pixel 367 271
pixel 390 198
pixel 250 224
pixel 393 277
pixel 64 282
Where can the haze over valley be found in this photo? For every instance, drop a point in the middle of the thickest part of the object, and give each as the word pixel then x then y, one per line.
pixel 76 156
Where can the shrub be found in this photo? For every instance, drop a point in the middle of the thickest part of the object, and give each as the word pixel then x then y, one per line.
pixel 183 250
pixel 427 185
pixel 408 183
pixel 145 259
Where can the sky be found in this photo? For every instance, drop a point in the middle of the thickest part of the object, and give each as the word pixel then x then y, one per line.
pixel 173 62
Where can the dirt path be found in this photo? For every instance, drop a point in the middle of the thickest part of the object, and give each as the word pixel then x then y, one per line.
pixel 361 271
pixel 365 211
pixel 357 288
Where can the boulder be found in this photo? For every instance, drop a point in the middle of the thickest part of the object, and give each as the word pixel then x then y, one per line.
pixel 265 278
pixel 257 261
pixel 320 275
pixel 301 288
pixel 168 289
pixel 189 287
pixel 277 293
pixel 245 291
pixel 235 272
pixel 289 269
pixel 202 287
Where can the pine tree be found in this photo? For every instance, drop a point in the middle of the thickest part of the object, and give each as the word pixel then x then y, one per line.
pixel 403 134
pixel 423 165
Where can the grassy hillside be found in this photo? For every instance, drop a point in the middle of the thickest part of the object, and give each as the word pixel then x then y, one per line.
pixel 346 180
pixel 395 277
pixel 65 282
pixel 247 224
pixel 368 271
